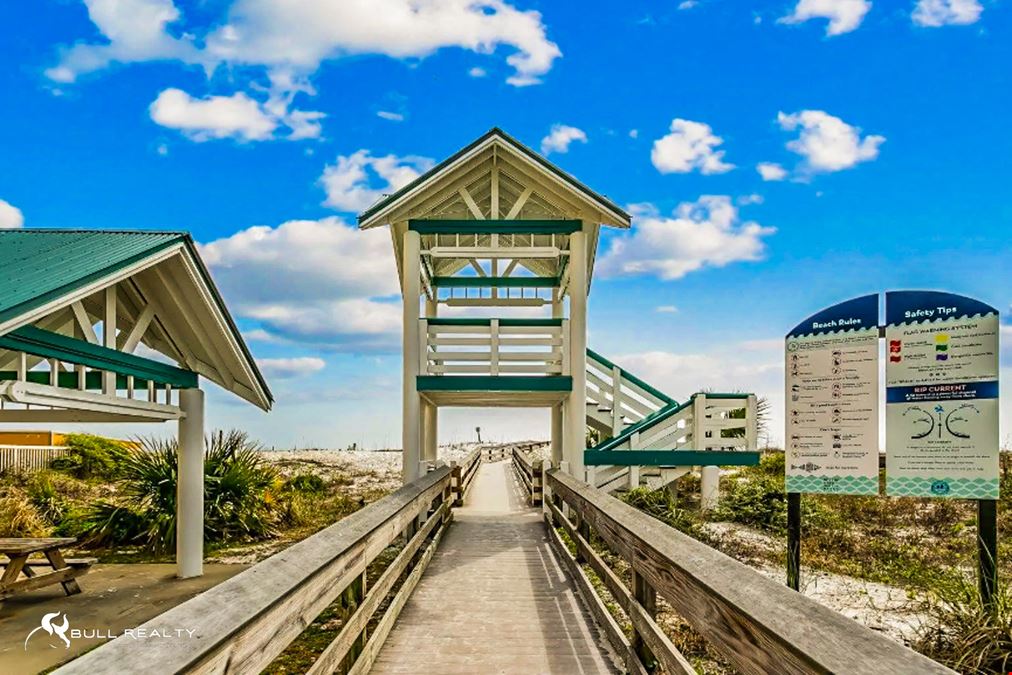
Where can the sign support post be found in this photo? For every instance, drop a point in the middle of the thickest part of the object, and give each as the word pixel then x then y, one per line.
pixel 987 550
pixel 794 540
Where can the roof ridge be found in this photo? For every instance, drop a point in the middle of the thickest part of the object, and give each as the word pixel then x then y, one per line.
pixel 84 230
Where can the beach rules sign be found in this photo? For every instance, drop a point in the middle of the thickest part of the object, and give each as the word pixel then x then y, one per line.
pixel 832 396
pixel 941 396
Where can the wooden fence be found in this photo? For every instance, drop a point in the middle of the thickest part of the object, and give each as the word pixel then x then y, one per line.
pixel 528 472
pixel 463 476
pixel 28 457
pixel 758 625
pixel 242 624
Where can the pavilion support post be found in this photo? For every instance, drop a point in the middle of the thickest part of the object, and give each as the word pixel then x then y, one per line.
pixel 576 422
pixel 190 485
pixel 109 338
pixel 430 427
pixel 411 284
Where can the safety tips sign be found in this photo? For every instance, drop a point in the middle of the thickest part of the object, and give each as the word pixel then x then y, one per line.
pixel 941 396
pixel 832 385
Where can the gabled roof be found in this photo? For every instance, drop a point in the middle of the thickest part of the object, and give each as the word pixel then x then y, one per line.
pixel 494 135
pixel 43 271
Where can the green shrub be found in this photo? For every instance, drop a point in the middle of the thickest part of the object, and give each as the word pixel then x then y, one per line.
pixel 18 516
pixel 91 456
pixel 305 483
pixel 242 496
pixel 757 497
pixel 47 497
pixel 662 506
pixel 962 634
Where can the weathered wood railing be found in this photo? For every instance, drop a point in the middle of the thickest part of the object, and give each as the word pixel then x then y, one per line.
pixel 242 624
pixel 756 624
pixel 28 457
pixel 463 476
pixel 528 472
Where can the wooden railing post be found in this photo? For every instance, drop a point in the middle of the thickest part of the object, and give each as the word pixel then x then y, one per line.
pixel 457 483
pixel 646 596
pixel 537 487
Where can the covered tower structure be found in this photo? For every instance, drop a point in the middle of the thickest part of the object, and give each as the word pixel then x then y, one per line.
pixel 500 245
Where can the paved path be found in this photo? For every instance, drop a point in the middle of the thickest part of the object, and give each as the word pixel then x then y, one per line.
pixel 493 599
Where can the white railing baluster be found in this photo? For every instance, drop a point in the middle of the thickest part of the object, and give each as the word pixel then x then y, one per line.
pixel 494 347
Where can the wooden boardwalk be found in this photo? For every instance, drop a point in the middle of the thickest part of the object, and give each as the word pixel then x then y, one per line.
pixel 494 599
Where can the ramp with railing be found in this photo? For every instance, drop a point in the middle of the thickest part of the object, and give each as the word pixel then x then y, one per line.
pixel 503 585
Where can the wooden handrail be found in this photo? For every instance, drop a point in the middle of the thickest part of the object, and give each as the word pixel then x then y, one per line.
pixel 758 625
pixel 242 624
pixel 528 471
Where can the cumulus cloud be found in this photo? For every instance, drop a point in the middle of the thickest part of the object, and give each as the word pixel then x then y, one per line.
pixel 201 119
pixel 320 282
pixel 843 15
pixel 666 309
pixel 391 116
pixel 477 72
pixel 827 143
pixel 298 35
pixel 560 137
pixel 291 367
pixel 134 30
pixel 690 146
pixel 771 171
pixel 351 183
pixel 10 216
pixel 704 233
pixel 936 13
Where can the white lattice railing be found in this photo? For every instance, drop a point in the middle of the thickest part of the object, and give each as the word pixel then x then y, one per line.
pixel 28 457
pixel 493 347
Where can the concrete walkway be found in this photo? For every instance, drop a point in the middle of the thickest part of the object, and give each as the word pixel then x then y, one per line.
pixel 494 599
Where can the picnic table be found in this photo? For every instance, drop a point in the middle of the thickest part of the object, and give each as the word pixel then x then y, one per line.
pixel 36 574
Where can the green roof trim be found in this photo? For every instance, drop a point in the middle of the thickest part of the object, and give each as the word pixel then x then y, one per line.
pixel 67 380
pixel 46 344
pixel 632 378
pixel 494 383
pixel 496 282
pixel 502 135
pixel 670 458
pixel 488 322
pixel 424 226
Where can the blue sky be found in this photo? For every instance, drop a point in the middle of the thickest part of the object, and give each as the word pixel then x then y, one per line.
pixel 886 122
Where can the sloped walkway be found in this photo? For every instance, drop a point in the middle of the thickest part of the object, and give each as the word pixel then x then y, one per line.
pixel 493 599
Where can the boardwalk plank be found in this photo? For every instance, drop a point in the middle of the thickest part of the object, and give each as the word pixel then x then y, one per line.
pixel 495 557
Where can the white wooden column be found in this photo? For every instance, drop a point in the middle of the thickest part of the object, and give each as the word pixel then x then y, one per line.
pixel 557 409
pixel 430 431
pixel 411 283
pixel 709 489
pixel 190 485
pixel 576 422
pixel 109 338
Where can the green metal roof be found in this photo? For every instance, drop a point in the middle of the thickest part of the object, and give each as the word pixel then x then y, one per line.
pixel 502 135
pixel 38 266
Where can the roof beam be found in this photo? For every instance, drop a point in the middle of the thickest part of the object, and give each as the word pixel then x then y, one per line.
pixel 497 226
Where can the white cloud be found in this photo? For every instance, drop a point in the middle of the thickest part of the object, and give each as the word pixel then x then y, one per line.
pixel 391 116
pixel 349 182
pixel 477 72
pixel 560 137
pixel 689 146
pixel 704 233
pixel 747 200
pixel 935 13
pixel 688 4
pixel 298 35
pixel 771 171
pixel 666 309
pixel 10 216
pixel 634 133
pixel 844 15
pixel 827 143
pixel 135 30
pixel 320 282
pixel 291 367
pixel 236 116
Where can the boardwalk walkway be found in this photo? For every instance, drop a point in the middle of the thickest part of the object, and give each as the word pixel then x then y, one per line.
pixel 493 599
